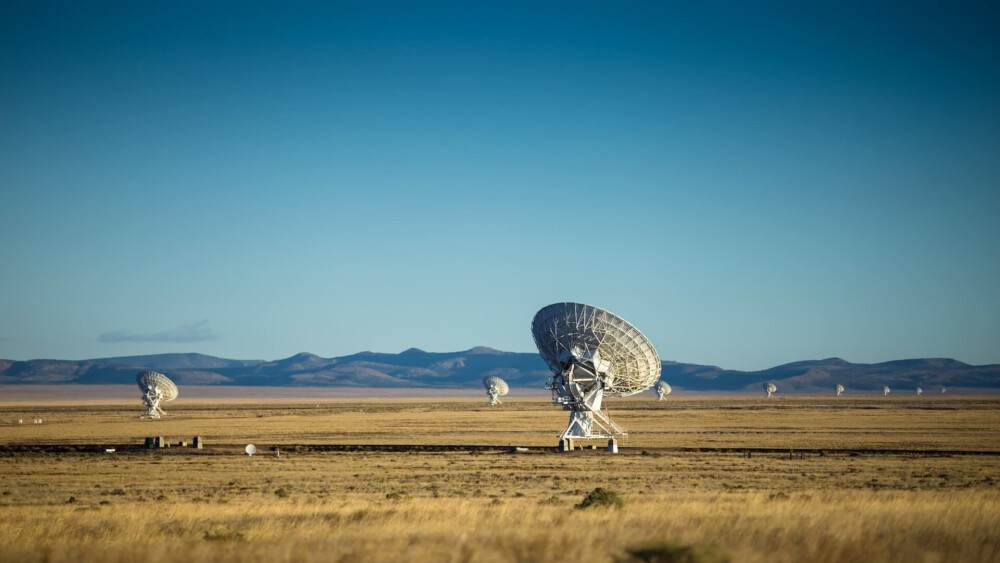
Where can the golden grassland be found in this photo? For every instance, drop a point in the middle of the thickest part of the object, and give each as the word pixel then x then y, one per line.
pixel 184 505
pixel 827 422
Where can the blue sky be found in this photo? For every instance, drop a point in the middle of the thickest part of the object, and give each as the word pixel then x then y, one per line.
pixel 749 185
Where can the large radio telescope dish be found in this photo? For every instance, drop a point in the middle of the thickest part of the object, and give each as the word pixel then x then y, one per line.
pixel 885 390
pixel 495 388
pixel 770 388
pixel 592 353
pixel 662 389
pixel 840 389
pixel 155 388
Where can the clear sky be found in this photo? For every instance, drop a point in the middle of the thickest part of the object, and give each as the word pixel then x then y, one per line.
pixel 748 183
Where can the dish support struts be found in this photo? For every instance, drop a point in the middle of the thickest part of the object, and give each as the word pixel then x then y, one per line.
pixel 494 396
pixel 151 398
pixel 580 390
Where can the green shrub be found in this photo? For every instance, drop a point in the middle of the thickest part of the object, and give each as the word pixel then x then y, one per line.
pixel 601 497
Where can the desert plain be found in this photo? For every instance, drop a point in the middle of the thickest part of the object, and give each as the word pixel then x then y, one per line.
pixel 705 478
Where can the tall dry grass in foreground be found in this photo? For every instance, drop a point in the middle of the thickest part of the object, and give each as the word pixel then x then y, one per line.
pixel 833 526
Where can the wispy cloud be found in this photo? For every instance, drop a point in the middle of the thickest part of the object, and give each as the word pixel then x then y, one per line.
pixel 197 332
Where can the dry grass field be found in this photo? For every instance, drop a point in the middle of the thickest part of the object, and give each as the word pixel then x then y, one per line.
pixel 180 504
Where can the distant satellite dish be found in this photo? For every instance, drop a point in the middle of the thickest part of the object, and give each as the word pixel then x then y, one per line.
pixel 885 390
pixel 155 387
pixel 920 391
pixel 943 390
pixel 592 353
pixel 770 388
pixel 662 389
pixel 840 389
pixel 495 388
pixel 250 449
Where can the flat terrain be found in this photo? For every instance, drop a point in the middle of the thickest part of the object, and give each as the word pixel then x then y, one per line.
pixel 882 479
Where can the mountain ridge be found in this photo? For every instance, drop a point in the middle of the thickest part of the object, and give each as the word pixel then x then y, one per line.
pixel 421 369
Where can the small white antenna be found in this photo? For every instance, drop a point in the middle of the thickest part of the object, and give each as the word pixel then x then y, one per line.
pixel 662 389
pixel 495 388
pixel 251 449
pixel 770 388
pixel 840 389
pixel 885 390
pixel 155 387
pixel 920 391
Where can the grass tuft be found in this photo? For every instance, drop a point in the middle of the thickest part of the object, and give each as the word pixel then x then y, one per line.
pixel 223 534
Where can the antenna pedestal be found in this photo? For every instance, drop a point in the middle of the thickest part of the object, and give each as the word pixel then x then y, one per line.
pixel 586 424
pixel 586 420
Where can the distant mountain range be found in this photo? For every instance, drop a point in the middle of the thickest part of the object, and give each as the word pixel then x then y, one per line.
pixel 419 369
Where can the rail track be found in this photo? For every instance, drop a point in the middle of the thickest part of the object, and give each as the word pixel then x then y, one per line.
pixel 271 449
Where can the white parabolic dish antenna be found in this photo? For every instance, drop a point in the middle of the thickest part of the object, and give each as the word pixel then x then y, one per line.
pixel 592 353
pixel 250 449
pixel 662 389
pixel 495 388
pixel 155 387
